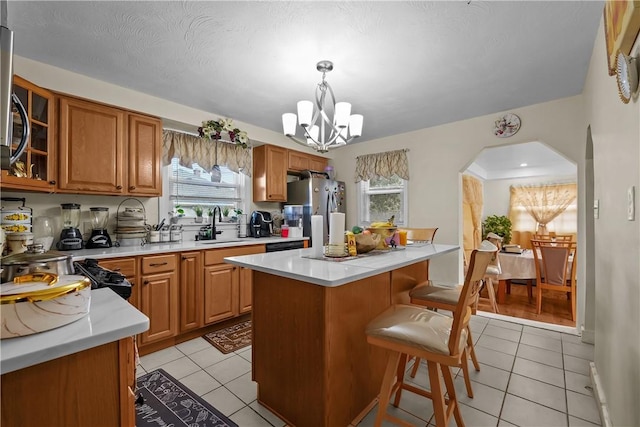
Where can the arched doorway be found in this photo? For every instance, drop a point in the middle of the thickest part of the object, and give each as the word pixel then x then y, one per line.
pixel 525 164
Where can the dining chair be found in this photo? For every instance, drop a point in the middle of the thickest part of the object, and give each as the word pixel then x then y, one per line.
pixel 421 234
pixel 411 331
pixel 555 269
pixel 447 298
pixel 553 237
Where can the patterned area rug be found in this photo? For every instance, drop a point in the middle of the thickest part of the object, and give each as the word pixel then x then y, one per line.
pixel 169 403
pixel 231 338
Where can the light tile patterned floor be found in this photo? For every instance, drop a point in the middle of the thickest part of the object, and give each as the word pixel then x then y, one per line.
pixel 529 377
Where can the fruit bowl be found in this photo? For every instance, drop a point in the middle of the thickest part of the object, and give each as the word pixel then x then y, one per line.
pixel 385 233
pixel 367 242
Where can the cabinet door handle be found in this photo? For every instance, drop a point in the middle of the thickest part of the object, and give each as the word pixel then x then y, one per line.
pixel 118 187
pixel 133 187
pixel 146 282
pixel 52 182
pixel 158 264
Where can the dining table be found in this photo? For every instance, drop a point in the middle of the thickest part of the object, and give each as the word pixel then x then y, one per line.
pixel 519 267
pixel 514 266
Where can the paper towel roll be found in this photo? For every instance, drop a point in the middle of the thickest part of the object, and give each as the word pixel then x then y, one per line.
pixel 336 228
pixel 317 236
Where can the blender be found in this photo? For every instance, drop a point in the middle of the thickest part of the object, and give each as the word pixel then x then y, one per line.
pixel 70 236
pixel 99 236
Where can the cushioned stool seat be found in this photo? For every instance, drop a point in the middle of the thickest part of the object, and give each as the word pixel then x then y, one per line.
pixel 415 327
pixel 442 294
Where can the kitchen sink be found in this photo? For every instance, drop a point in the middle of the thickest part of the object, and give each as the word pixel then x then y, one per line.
pixel 217 242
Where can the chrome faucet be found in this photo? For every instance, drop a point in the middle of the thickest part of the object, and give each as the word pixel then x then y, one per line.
pixel 213 221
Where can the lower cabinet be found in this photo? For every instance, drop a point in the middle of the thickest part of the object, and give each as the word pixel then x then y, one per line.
pixel 94 387
pixel 191 291
pixel 159 296
pixel 244 288
pixel 220 292
pixel 126 267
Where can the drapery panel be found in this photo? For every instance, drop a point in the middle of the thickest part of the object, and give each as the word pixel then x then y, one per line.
pixel 190 149
pixel 543 203
pixel 384 165
pixel 472 195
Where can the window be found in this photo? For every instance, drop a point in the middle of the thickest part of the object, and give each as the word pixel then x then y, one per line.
pixel 381 198
pixel 190 187
pixel 565 223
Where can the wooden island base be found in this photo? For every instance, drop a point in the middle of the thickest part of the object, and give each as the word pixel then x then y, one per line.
pixel 310 356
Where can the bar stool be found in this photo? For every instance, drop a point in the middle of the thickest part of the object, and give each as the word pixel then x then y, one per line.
pixel 447 298
pixel 407 330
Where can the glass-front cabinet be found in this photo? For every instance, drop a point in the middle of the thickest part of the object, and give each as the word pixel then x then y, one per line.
pixel 35 169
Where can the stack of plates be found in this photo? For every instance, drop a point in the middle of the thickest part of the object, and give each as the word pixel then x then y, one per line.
pixel 131 224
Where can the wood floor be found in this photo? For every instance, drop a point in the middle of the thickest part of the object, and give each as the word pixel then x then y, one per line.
pixel 556 308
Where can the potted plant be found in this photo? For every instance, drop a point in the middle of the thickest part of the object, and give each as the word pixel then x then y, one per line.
pixel 225 213
pixel 501 225
pixel 175 214
pixel 199 211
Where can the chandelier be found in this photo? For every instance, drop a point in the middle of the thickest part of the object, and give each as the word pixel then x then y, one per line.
pixel 337 126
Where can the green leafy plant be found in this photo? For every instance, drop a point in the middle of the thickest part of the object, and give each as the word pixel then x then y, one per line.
pixel 210 211
pixel 238 211
pixel 179 211
pixel 198 210
pixel 225 211
pixel 501 225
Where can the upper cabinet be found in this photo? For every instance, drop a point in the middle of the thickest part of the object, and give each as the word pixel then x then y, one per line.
pixel 298 162
pixel 269 173
pixel 36 167
pixel 106 150
pixel 271 165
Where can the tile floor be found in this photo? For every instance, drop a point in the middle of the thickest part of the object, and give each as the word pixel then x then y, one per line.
pixel 528 377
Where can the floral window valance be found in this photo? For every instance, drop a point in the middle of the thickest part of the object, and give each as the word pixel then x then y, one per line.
pixel 384 165
pixel 190 149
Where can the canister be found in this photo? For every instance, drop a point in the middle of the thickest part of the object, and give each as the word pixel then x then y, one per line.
pixel 18 242
pixel 165 234
pixel 175 233
pixel 154 236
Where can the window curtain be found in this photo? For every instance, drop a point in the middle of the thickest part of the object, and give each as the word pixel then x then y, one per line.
pixel 384 165
pixel 543 203
pixel 472 196
pixel 190 149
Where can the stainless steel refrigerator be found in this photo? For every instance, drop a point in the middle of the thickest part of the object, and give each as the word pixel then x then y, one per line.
pixel 318 196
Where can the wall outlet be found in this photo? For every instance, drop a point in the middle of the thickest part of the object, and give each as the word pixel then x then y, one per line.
pixel 596 208
pixel 631 203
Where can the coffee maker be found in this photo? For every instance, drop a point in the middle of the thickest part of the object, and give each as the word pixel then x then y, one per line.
pixel 70 236
pixel 261 224
pixel 99 236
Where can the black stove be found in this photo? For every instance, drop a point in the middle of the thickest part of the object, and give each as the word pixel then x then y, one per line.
pixel 100 277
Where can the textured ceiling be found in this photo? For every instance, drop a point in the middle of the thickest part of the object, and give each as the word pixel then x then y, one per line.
pixel 403 65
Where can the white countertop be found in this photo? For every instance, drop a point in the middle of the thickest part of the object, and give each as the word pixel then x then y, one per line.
pixel 295 264
pixel 159 248
pixel 110 318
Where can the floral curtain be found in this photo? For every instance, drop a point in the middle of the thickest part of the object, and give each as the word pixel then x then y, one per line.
pixel 384 165
pixel 472 196
pixel 191 149
pixel 543 203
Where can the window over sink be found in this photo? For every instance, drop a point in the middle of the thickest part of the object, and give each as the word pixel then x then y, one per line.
pixel 380 198
pixel 191 187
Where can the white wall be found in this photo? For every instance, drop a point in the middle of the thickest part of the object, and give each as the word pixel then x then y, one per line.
pixel 616 158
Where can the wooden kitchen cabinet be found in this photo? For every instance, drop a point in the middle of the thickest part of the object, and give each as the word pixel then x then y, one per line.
pixel 191 291
pixel 220 292
pixel 299 161
pixel 270 173
pixel 145 146
pixel 126 267
pixel 39 157
pixel 107 150
pixel 93 387
pixel 227 289
pixel 159 296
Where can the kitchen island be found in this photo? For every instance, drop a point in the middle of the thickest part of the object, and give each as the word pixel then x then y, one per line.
pixel 310 356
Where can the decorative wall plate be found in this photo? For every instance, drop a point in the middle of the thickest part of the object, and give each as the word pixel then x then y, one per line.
pixel 626 76
pixel 507 125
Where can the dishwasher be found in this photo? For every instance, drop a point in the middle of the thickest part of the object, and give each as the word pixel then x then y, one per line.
pixel 284 246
